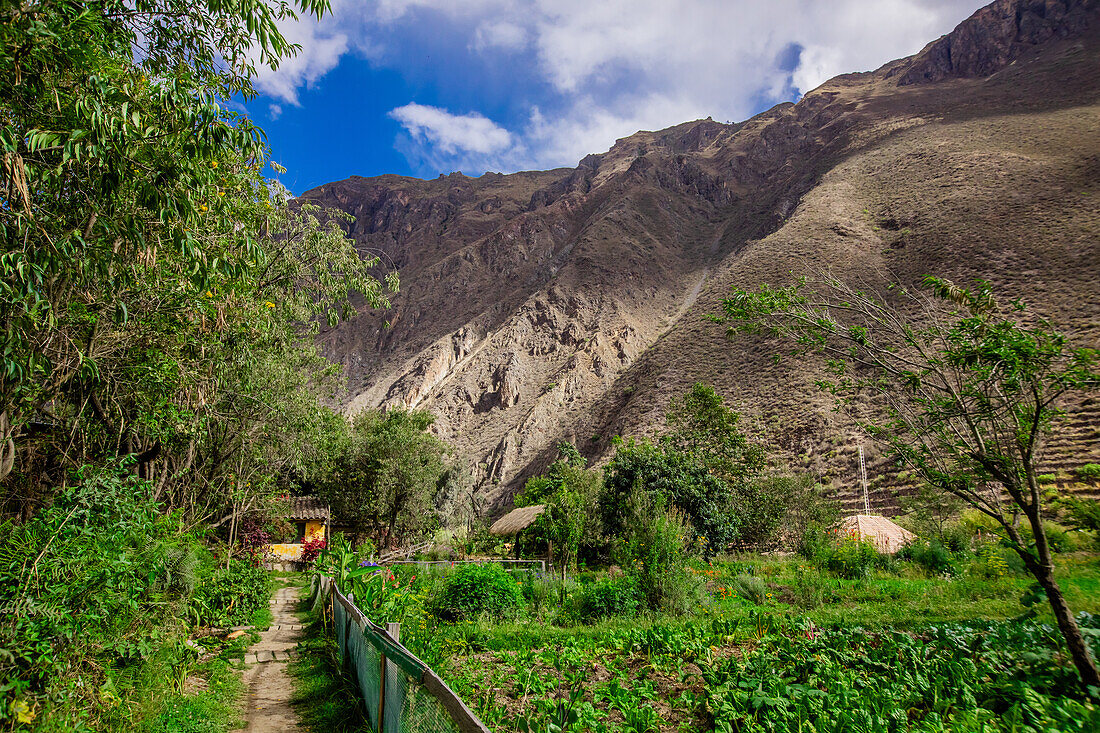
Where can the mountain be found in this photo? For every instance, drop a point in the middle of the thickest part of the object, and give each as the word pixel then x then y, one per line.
pixel 569 304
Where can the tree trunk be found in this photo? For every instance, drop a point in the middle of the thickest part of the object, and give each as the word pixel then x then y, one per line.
pixel 1075 640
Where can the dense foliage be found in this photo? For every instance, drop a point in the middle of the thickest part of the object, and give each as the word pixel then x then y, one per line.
pixel 571 494
pixel 384 474
pixel 476 590
pixel 229 594
pixel 92 587
pixel 153 285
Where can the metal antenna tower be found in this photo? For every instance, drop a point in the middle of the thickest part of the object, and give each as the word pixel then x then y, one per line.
pixel 863 478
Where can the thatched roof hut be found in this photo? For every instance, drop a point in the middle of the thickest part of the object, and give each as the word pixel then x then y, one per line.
pixel 516 520
pixel 884 534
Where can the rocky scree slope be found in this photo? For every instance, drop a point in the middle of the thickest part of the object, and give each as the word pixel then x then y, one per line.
pixel 569 304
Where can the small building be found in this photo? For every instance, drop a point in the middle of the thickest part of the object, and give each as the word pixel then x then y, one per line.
pixel 311 518
pixel 886 536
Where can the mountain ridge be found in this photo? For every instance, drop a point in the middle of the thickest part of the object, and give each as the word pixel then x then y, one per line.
pixel 567 305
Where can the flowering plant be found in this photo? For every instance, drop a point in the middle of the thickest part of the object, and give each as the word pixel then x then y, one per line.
pixel 312 547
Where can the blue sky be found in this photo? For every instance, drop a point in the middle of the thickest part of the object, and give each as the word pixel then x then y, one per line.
pixel 423 87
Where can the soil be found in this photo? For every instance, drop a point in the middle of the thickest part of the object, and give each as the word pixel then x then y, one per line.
pixel 267 706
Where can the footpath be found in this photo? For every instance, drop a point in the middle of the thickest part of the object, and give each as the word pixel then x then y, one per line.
pixel 267 702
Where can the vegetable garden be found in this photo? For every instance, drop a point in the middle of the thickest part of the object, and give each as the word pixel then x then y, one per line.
pixel 772 644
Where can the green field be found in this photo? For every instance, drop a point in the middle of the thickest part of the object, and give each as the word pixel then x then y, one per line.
pixel 774 644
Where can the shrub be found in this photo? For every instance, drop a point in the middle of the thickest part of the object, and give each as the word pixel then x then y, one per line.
pixel 1088 472
pixel 1047 478
pixel 932 556
pixel 473 590
pixel 94 582
pixel 852 559
pixel 814 543
pixel 609 597
pixel 229 596
pixel 312 547
pixel 653 554
pixel 750 588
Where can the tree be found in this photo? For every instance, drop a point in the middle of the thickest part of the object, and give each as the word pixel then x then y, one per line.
pixel 570 492
pixel 158 296
pixel 386 477
pixel 967 389
pixel 670 479
pixel 703 465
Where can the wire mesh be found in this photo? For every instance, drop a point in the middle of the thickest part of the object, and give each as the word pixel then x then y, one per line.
pixel 405 705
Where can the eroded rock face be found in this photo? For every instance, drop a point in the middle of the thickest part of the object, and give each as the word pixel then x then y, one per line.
pixel 996 35
pixel 559 305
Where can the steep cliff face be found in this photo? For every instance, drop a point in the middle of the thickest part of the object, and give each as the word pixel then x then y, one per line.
pixel 568 304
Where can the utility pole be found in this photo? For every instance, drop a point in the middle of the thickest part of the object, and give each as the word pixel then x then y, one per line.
pixel 863 478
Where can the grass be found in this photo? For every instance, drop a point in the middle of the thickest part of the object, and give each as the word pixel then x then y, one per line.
pixel 325 697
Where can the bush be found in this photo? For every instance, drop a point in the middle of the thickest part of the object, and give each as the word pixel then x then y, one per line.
pixel 609 597
pixel 230 596
pixel 852 559
pixel 932 556
pixel 93 584
pixel 1088 472
pixel 473 590
pixel 814 543
pixel 653 554
pixel 750 588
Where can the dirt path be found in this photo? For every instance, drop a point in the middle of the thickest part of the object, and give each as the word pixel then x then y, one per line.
pixel 267 703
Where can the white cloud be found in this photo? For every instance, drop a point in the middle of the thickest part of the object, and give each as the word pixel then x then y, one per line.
pixel 321 49
pixel 499 34
pixel 274 111
pixel 450 133
pixel 578 74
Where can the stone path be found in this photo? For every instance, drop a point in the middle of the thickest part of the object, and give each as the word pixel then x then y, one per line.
pixel 267 704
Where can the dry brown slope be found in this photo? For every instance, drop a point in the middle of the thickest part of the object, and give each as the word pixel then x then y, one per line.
pixel 568 304
pixel 1005 187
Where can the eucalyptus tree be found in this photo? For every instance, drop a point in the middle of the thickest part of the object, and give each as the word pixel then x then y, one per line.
pixel 967 388
pixel 157 293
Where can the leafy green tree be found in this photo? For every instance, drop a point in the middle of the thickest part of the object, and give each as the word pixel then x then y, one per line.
pixel 673 479
pixel 570 492
pixel 966 387
pixel 153 285
pixel 703 427
pixel 703 464
pixel 385 483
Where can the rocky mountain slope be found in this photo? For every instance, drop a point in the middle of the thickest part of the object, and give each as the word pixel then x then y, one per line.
pixel 569 304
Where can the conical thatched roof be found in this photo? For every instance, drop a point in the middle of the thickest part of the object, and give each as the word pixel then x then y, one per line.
pixel 886 536
pixel 517 519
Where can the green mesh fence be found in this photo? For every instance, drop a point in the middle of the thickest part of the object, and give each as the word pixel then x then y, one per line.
pixel 401 694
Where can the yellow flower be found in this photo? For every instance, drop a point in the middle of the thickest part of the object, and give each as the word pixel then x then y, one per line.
pixel 23 712
pixel 209 294
pixel 221 193
pixel 213 164
pixel 269 304
pixel 202 207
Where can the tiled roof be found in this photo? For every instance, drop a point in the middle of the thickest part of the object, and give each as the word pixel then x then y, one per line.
pixel 309 508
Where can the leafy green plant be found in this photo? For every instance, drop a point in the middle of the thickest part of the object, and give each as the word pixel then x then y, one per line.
pixel 749 587
pixel 609 597
pixel 476 589
pixel 852 559
pixel 932 556
pixel 229 596
pixel 1088 472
